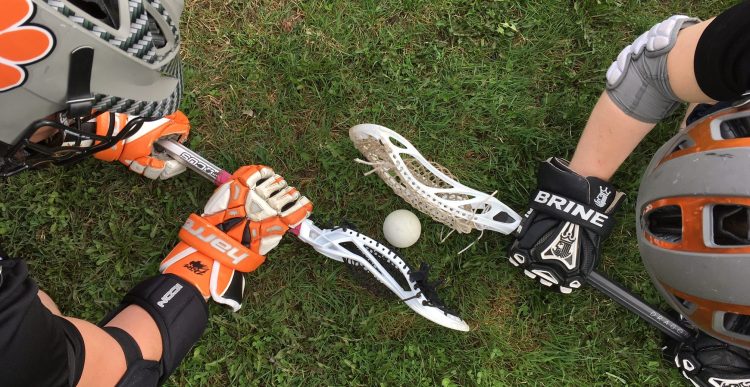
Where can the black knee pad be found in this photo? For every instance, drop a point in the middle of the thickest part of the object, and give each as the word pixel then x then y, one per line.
pixel 179 311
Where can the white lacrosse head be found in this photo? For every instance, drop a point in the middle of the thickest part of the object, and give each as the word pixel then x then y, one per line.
pixel 353 248
pixel 429 187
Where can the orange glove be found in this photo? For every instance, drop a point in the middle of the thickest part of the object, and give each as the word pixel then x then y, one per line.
pixel 243 220
pixel 136 151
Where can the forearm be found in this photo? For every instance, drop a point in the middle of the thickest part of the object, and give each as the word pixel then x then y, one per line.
pixel 611 135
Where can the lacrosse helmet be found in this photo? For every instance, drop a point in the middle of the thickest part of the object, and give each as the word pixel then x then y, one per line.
pixel 693 222
pixel 64 61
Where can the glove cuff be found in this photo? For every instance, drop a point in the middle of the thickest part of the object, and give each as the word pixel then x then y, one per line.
pixel 555 176
pixel 572 211
pixel 206 238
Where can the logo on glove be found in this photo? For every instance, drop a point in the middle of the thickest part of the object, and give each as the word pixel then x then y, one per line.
pixel 215 241
pixel 601 198
pixel 565 247
pixel 197 267
pixel 570 207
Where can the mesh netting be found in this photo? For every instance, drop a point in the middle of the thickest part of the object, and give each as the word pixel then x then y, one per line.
pixel 377 154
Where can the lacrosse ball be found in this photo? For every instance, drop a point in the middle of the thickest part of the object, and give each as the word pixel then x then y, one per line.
pixel 401 228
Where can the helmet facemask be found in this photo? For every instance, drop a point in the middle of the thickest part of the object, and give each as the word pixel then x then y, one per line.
pixel 62 141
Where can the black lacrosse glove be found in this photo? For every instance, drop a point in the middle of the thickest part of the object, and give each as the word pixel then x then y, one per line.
pixel 708 362
pixel 558 240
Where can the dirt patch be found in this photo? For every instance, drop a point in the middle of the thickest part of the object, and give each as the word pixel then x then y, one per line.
pixel 502 307
pixel 287 25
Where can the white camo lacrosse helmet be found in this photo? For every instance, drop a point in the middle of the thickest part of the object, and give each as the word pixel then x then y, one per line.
pixel 82 57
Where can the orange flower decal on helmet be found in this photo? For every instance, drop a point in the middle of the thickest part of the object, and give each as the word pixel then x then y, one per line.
pixel 20 44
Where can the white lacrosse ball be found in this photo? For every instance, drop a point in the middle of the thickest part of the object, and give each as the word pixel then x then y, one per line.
pixel 401 228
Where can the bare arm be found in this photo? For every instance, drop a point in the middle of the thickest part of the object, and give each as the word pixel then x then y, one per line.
pixel 611 135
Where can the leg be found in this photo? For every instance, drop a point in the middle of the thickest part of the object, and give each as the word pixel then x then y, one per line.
pixel 41 347
pixel 35 348
pixel 104 359
pixel 139 324
pixel 608 139
pixel 48 303
pixel 682 75
pixel 611 134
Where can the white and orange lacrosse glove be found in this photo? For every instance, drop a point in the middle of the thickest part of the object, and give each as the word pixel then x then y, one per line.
pixel 243 220
pixel 136 151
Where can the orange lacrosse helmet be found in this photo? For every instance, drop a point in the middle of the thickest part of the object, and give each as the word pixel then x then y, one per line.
pixel 693 220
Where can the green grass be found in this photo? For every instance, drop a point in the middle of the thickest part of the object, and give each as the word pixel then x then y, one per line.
pixel 486 88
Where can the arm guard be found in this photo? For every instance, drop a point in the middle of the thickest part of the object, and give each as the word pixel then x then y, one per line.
pixel 637 81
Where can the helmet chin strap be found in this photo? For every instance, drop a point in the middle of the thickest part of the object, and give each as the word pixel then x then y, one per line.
pixel 80 100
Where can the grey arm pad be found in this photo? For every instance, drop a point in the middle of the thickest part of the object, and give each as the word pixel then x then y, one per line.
pixel 638 82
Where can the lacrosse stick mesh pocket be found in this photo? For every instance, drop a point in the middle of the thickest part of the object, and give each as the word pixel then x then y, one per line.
pixel 393 175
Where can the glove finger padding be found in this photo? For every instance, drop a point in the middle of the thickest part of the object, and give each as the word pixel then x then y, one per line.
pixel 257 207
pixel 708 362
pixel 156 167
pixel 136 151
pixel 270 186
pixel 559 239
pixel 244 219
pixel 291 205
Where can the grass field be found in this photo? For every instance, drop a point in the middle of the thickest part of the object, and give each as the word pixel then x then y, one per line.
pixel 486 88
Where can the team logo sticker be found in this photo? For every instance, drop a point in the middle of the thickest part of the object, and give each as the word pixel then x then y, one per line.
pixel 21 44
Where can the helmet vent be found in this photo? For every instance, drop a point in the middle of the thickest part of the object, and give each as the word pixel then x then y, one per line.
pixel 735 128
pixel 106 11
pixel 157 36
pixel 737 323
pixel 665 223
pixel 683 144
pixel 689 306
pixel 731 225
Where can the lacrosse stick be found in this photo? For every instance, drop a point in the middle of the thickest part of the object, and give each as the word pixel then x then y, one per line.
pixel 366 257
pixel 428 187
pixel 431 189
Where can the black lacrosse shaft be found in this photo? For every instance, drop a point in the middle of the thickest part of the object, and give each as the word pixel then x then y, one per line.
pixel 635 304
